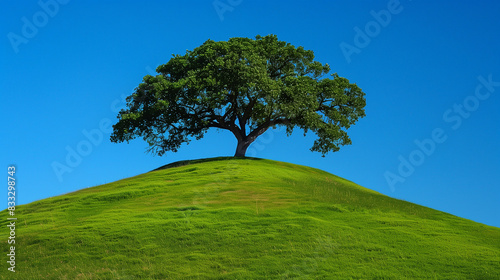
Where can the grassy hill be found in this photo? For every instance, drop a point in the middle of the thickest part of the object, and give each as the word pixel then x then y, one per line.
pixel 228 218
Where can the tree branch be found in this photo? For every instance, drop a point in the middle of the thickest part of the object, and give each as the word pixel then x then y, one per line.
pixel 221 123
pixel 246 115
pixel 263 127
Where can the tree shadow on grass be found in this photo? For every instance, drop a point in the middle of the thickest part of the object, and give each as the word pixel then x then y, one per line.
pixel 195 161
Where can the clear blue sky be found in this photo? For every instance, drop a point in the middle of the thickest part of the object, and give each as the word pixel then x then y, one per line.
pixel 430 71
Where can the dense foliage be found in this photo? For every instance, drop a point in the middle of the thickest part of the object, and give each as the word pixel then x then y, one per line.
pixel 245 86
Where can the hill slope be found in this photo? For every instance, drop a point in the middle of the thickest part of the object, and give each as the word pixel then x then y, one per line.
pixel 228 218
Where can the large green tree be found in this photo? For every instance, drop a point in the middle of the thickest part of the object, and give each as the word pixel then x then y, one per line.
pixel 245 86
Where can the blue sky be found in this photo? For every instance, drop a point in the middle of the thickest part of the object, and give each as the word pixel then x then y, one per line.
pixel 430 71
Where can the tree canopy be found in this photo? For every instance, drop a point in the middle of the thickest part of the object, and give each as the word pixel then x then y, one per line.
pixel 246 86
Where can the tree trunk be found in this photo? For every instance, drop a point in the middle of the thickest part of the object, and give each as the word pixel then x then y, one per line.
pixel 245 141
pixel 242 147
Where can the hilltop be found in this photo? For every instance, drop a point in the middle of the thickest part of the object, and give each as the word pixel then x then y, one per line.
pixel 244 218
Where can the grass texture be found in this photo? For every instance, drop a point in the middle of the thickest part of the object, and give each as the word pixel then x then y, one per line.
pixel 243 218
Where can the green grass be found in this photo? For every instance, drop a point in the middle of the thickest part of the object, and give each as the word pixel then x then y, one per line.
pixel 230 218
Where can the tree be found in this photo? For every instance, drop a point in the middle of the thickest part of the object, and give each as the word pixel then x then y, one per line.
pixel 245 86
